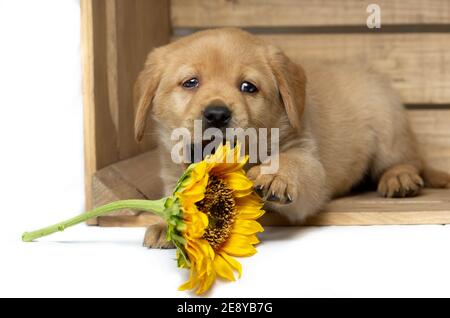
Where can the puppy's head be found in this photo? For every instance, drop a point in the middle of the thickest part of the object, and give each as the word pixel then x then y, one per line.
pixel 224 77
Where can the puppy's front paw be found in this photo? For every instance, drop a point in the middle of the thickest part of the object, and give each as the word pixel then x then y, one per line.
pixel 156 236
pixel 277 187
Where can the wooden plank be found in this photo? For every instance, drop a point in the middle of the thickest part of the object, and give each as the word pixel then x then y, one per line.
pixel 417 63
pixel 285 13
pixel 92 28
pixel 432 129
pixel 431 207
pixel 135 178
pixel 141 25
pixel 116 37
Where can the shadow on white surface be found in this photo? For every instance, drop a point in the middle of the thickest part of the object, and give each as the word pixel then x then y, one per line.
pixel 285 233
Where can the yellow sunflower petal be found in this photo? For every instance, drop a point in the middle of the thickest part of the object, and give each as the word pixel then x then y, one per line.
pixel 201 252
pixel 252 239
pixel 224 168
pixel 218 157
pixel 199 171
pixel 195 255
pixel 206 283
pixel 191 283
pixel 233 263
pixel 234 155
pixel 247 227
pixel 240 245
pixel 207 249
pixel 251 200
pixel 196 224
pixel 223 268
pixel 242 193
pixel 238 181
pixel 248 213
pixel 194 191
pixel 231 161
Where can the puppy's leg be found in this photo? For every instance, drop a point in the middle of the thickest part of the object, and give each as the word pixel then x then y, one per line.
pixel 436 179
pixel 396 163
pixel 297 189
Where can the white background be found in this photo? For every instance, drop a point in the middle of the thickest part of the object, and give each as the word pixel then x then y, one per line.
pixel 41 182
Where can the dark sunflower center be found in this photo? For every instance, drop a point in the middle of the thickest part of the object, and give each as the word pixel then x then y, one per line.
pixel 218 204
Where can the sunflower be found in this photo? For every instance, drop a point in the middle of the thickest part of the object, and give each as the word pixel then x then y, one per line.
pixel 219 212
pixel 211 218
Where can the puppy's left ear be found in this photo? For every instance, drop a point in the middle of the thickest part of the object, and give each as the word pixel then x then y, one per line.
pixel 145 90
pixel 291 82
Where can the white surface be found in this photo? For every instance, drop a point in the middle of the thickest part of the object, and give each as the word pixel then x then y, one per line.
pixel 42 182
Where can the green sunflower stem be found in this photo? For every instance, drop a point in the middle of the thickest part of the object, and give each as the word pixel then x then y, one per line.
pixel 153 206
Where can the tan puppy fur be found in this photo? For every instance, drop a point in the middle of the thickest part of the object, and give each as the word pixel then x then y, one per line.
pixel 338 122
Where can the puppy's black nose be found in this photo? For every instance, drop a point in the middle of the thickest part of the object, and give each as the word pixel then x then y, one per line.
pixel 217 116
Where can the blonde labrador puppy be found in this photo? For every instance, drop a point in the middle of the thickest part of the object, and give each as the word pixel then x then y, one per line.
pixel 338 123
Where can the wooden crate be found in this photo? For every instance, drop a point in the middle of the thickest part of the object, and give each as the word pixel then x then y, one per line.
pixel 412 47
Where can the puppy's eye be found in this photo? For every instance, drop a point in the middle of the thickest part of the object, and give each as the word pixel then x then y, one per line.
pixel 248 87
pixel 191 83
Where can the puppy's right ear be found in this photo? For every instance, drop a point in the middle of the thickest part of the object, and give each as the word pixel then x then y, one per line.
pixel 144 91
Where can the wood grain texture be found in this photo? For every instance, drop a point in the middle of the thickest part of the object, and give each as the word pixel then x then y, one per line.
pixel 134 178
pixel 276 13
pixel 432 129
pixel 417 64
pixel 431 207
pixel 117 35
pixel 141 25
pixel 93 36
